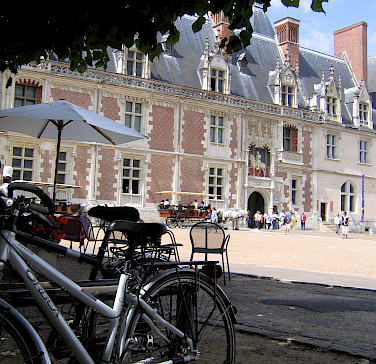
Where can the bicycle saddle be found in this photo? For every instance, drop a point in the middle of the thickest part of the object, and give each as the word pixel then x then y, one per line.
pixel 139 232
pixel 111 213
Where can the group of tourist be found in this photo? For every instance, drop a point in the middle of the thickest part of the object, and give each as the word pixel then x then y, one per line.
pixel 342 223
pixel 275 221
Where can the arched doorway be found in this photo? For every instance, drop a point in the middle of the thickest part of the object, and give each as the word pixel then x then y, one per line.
pixel 255 203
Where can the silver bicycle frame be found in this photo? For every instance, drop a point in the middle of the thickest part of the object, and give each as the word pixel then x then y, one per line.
pixel 17 254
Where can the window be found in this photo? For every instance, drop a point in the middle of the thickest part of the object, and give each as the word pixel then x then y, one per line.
pixel 216 129
pixel 363 113
pixel 25 95
pixel 133 115
pixel 216 183
pixel 62 168
pixel 286 139
pixel 331 105
pixel 363 151
pixel 23 163
pixel 287 95
pixel 131 176
pixel 167 48
pixel 290 139
pixel 331 146
pixel 134 63
pixel 348 197
pixel 217 80
pixel 294 191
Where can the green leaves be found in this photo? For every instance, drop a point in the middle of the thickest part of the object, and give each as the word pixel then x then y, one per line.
pixel 85 42
pixel 315 6
pixel 294 3
pixel 197 25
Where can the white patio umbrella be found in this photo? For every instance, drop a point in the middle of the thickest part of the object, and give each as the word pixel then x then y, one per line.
pixel 65 121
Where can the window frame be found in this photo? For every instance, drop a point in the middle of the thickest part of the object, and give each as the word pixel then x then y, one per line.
pixel 217 129
pixel 25 99
pixel 21 168
pixel 217 81
pixel 331 105
pixel 331 150
pixel 363 113
pixel 348 197
pixel 133 115
pixel 131 178
pixel 287 95
pixel 65 163
pixel 213 186
pixel 134 62
pixel 364 151
pixel 294 191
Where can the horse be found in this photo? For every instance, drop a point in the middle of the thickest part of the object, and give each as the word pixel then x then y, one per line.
pixel 257 165
pixel 234 215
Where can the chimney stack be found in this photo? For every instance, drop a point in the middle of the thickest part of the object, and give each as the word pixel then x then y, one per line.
pixel 287 30
pixel 221 23
pixel 353 41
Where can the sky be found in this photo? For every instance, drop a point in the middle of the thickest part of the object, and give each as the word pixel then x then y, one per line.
pixel 316 29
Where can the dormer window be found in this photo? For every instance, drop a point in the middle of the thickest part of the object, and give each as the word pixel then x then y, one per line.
pixel 331 105
pixel 242 63
pixel 363 114
pixel 217 80
pixel 167 47
pixel 287 95
pixel 135 62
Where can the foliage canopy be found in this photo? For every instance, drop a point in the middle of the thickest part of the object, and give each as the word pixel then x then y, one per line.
pixel 81 33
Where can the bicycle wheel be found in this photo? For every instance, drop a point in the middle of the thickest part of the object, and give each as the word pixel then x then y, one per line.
pixel 195 306
pixel 17 341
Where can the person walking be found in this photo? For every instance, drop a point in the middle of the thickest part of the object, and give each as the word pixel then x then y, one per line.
pixel 293 220
pixel 288 218
pixel 345 225
pixel 268 221
pixel 214 216
pixel 303 219
pixel 258 219
pixel 337 221
pixel 282 219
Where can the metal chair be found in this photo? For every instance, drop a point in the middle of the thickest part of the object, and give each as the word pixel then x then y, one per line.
pixel 90 235
pixel 73 231
pixel 210 238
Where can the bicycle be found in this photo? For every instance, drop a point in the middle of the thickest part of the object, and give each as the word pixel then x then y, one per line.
pixel 176 315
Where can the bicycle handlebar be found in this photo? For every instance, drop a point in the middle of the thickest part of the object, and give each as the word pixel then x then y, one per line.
pixel 49 206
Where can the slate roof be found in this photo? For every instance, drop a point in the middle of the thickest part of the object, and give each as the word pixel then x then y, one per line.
pixel 182 66
pixel 372 80
pixel 256 83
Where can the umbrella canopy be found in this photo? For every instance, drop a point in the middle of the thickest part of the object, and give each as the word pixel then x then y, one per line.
pixel 62 120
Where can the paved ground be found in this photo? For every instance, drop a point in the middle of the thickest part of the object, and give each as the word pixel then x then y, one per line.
pixel 305 287
pixel 301 256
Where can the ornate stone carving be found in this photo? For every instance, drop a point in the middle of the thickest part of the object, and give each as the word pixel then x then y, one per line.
pixel 260 132
pixel 163 88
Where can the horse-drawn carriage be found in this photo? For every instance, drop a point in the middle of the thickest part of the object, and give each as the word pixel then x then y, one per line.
pixel 181 216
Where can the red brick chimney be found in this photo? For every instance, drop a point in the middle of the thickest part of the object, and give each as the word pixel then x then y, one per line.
pixel 353 41
pixel 287 30
pixel 221 23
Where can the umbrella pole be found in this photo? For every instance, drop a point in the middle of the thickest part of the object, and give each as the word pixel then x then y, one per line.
pixel 59 130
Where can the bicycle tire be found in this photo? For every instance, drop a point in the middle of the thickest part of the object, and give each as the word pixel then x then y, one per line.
pixel 19 343
pixel 205 316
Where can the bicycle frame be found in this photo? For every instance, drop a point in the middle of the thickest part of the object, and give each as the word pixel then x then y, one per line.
pixel 19 256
